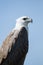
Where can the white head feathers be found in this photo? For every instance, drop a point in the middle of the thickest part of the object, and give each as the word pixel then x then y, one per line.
pixel 22 22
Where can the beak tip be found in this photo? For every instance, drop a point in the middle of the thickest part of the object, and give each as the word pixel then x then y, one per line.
pixel 31 20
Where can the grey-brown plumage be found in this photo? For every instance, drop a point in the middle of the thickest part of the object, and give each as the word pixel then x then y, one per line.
pixel 19 49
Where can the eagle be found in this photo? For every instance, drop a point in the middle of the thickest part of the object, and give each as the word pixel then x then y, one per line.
pixel 15 47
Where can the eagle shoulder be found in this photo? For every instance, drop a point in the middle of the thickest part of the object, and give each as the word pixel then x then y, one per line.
pixel 7 44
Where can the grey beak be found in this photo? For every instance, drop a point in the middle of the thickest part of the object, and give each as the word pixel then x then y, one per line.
pixel 31 20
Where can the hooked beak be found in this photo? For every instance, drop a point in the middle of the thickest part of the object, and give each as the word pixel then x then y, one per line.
pixel 31 20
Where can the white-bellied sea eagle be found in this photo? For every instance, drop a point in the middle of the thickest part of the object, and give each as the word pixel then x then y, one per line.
pixel 15 47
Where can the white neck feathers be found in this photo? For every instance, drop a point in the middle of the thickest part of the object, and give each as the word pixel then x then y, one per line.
pixel 19 26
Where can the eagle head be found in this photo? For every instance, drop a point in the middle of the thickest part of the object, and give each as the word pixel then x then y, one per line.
pixel 23 22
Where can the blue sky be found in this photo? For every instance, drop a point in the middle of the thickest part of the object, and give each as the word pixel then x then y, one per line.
pixel 10 10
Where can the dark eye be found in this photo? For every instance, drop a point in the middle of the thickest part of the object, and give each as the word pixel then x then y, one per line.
pixel 25 18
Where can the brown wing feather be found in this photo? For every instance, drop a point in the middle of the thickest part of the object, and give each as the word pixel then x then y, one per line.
pixel 19 49
pixel 7 43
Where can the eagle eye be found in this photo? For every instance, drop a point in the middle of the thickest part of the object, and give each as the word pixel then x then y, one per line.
pixel 25 18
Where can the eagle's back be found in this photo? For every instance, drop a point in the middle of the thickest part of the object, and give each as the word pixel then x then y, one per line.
pixel 19 48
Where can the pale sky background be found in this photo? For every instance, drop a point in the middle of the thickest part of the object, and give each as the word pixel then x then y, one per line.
pixel 10 10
